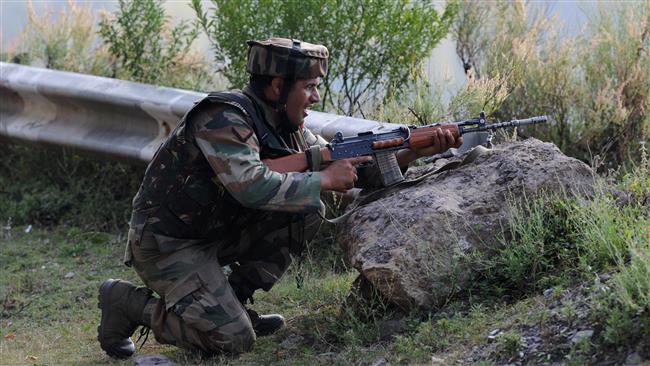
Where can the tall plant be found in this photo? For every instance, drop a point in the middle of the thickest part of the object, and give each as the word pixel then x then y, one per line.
pixel 375 45
pixel 147 49
pixel 594 85
pixel 615 65
pixel 64 42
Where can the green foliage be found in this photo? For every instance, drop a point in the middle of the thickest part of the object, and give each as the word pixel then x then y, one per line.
pixel 70 189
pixel 424 103
pixel 637 180
pixel 508 345
pixel 616 81
pixel 136 43
pixel 48 293
pixel 147 49
pixel 594 85
pixel 75 189
pixel 556 241
pixel 564 241
pixel 542 251
pixel 625 305
pixel 68 43
pixel 450 331
pixel 375 45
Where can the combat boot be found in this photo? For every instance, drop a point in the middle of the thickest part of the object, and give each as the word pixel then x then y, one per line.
pixel 122 306
pixel 264 325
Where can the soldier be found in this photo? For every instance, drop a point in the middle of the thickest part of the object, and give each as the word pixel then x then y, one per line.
pixel 207 200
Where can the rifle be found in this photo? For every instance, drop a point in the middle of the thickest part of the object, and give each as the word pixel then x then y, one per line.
pixel 382 145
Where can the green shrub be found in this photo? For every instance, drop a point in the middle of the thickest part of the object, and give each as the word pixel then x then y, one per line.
pixel 54 186
pixel 508 346
pixel 375 46
pixel 542 251
pixel 442 335
pixel 625 302
pixel 594 85
pixel 424 104
pixel 145 48
pixel 47 186
pixel 68 42
pixel 561 240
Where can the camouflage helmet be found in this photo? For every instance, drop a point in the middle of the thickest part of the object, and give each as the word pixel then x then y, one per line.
pixel 287 58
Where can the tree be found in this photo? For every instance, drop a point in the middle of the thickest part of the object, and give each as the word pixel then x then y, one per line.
pixel 375 45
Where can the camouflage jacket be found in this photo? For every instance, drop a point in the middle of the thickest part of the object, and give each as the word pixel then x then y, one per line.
pixel 210 169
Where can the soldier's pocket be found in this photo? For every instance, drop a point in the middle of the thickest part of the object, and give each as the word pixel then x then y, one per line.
pixel 142 244
pixel 203 306
pixel 136 227
pixel 134 237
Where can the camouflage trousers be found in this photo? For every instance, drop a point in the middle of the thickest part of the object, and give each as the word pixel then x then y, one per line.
pixel 199 307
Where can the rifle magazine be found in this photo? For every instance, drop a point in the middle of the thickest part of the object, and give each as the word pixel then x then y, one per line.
pixel 389 168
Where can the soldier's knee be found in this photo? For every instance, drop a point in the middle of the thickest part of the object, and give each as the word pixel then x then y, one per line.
pixel 216 341
pixel 243 342
pixel 235 337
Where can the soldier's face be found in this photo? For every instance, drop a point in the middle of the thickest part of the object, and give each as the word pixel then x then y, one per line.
pixel 303 94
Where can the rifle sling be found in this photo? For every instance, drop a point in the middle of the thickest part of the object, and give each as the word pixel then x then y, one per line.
pixel 375 195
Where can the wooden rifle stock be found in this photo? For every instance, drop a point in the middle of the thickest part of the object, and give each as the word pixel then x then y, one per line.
pixel 423 137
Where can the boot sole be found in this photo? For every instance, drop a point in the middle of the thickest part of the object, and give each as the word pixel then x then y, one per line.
pixel 103 295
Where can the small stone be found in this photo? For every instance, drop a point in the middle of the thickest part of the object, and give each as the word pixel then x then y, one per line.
pixel 548 292
pixel 28 229
pixel 580 335
pixel 437 360
pixel 291 341
pixel 69 275
pixel 633 359
pixel 152 360
pixel 380 362
pixel 493 335
pixel 604 277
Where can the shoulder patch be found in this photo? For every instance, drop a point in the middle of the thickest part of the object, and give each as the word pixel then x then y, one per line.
pixel 243 134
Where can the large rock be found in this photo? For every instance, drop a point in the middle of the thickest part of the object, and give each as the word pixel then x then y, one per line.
pixel 407 243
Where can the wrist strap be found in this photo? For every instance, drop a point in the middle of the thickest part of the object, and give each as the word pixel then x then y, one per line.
pixel 314 158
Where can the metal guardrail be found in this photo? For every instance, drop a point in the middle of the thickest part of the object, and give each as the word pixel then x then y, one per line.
pixel 114 117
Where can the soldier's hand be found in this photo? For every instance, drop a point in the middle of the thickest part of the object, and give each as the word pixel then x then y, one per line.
pixel 442 140
pixel 340 175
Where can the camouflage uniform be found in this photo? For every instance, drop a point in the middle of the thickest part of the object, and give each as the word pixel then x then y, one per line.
pixel 208 201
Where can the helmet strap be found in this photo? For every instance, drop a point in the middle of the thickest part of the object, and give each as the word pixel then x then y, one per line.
pixel 289 81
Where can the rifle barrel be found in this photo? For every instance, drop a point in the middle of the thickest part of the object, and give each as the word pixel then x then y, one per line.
pixel 513 123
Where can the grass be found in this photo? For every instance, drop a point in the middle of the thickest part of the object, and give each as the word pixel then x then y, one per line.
pixel 71 189
pixel 49 315
pixel 50 272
